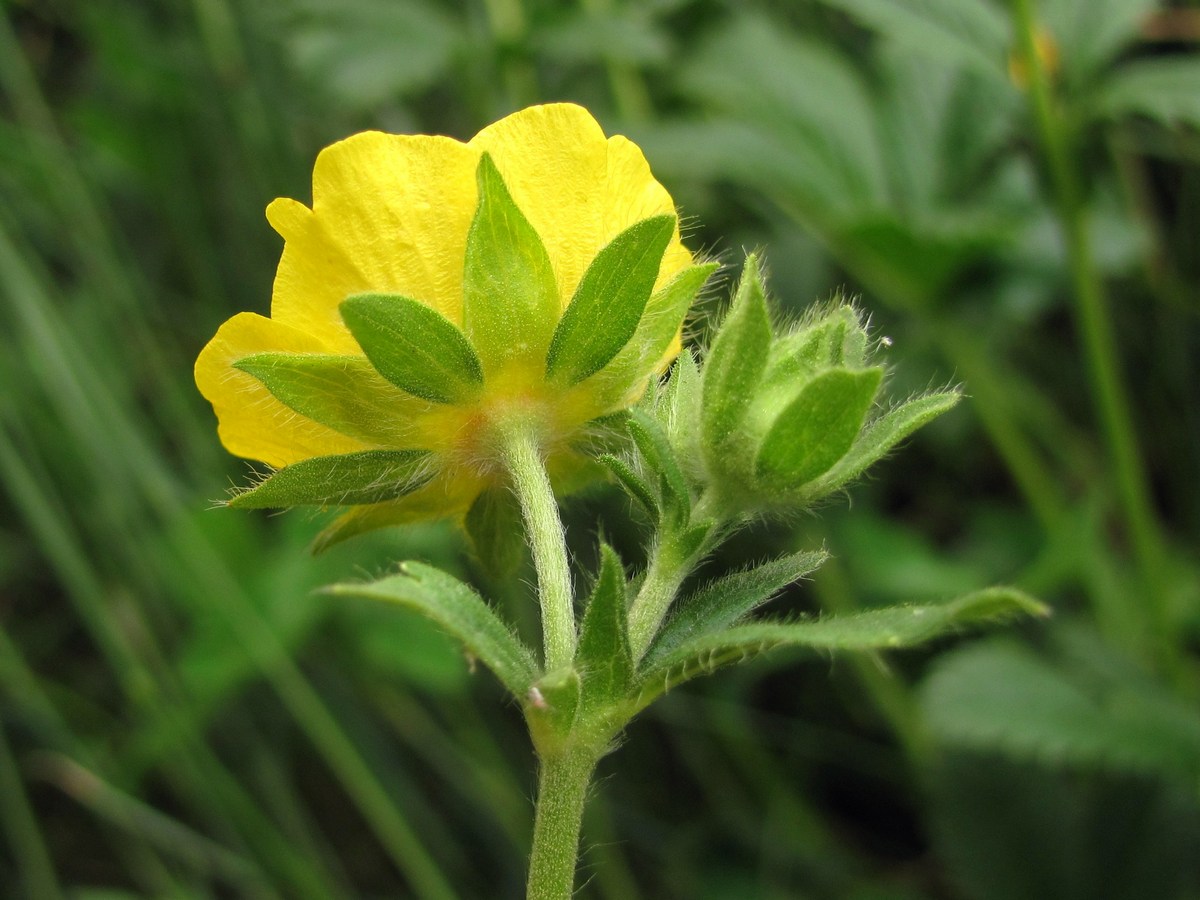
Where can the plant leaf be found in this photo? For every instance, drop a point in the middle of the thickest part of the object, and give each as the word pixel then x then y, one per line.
pixel 414 347
pixel 659 457
pixel 632 483
pixel 461 612
pixel 510 294
pixel 609 302
pixel 727 600
pixel 497 533
pixel 604 657
pixel 679 409
pixel 879 437
pixel 658 329
pixel 348 479
pixel 971 33
pixel 999 695
pixel 344 393
pixel 735 363
pixel 1166 90
pixel 877 629
pixel 816 429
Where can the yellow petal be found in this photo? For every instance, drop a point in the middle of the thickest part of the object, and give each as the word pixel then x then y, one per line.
pixel 390 214
pixel 578 189
pixel 252 423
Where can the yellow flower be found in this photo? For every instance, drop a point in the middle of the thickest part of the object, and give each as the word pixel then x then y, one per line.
pixel 434 231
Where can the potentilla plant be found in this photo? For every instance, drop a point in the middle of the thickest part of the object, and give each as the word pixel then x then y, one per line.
pixel 454 324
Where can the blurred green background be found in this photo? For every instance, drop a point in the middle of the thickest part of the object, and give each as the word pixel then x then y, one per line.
pixel 181 717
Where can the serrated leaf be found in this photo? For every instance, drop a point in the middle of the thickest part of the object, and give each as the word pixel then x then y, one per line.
pixel 494 525
pixel 1167 90
pixel 729 599
pixel 510 294
pixel 735 364
pixel 881 436
pixel 1001 696
pixel 609 302
pixel 877 629
pixel 821 148
pixel 461 612
pixel 656 450
pixel 632 483
pixel 816 429
pixel 414 347
pixel 1091 32
pixel 604 656
pixel 969 32
pixel 348 479
pixel 344 393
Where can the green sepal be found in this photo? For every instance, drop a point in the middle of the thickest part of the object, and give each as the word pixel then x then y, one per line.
pixel 510 294
pixel 735 365
pixel 679 408
pixel 494 525
pixel 344 393
pixel 632 483
pixel 816 429
pixel 609 302
pixel 837 339
pixel 726 601
pixel 661 323
pixel 880 436
pixel 659 457
pixel 461 612
pixel 878 629
pixel 604 656
pixel 349 479
pixel 358 520
pixel 414 347
pixel 551 706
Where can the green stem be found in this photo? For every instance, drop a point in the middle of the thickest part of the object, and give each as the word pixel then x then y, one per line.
pixel 670 563
pixel 664 574
pixel 544 530
pixel 562 789
pixel 1100 346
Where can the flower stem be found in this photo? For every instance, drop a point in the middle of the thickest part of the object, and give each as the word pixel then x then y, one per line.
pixel 562 788
pixel 1100 347
pixel 544 530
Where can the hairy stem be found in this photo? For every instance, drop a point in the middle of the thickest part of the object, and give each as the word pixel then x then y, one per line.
pixel 562 789
pixel 544 530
